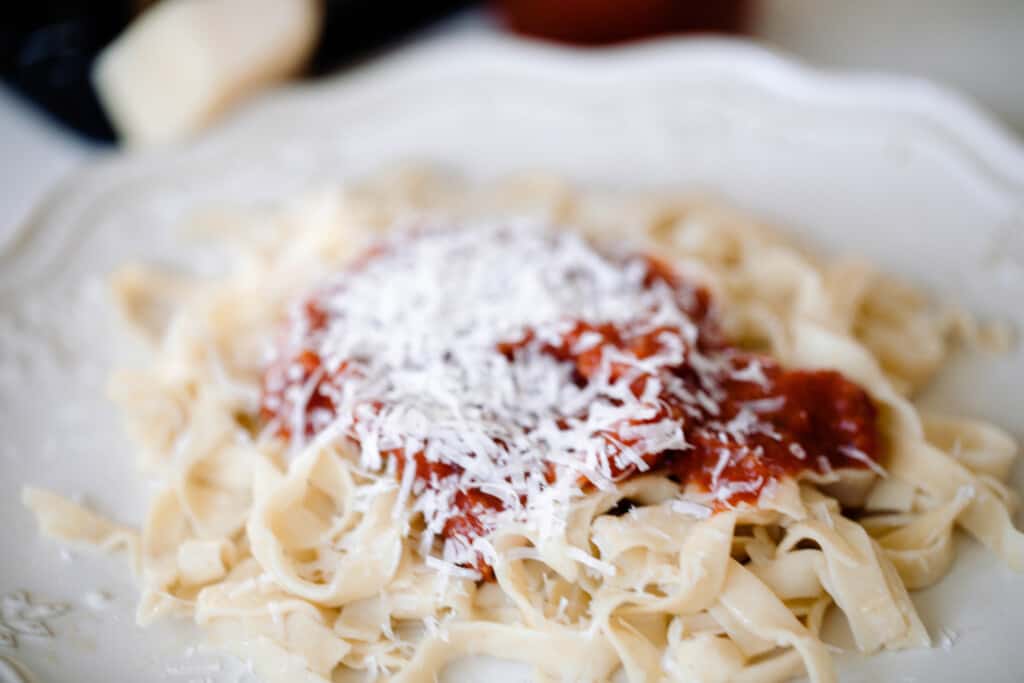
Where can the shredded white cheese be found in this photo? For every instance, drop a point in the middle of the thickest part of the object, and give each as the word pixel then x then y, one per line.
pixel 861 456
pixel 591 562
pixel 411 360
pixel 691 509
pixel 508 368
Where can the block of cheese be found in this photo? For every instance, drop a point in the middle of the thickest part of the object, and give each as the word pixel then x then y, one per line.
pixel 184 62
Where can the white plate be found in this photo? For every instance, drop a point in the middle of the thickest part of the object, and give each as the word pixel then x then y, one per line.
pixel 898 171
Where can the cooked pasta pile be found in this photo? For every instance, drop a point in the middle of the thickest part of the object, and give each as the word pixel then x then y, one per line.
pixel 310 553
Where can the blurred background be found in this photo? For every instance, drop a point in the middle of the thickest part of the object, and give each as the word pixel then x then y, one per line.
pixel 83 76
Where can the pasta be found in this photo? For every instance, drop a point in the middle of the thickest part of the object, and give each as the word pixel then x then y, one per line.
pixel 321 557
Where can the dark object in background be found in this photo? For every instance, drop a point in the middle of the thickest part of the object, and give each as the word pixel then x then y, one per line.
pixel 602 22
pixel 47 47
pixel 355 28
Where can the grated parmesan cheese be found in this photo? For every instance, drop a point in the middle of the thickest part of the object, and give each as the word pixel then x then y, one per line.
pixel 861 456
pixel 591 562
pixel 415 333
pixel 499 371
pixel 691 509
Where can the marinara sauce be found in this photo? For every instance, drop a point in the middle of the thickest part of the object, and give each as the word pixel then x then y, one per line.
pixel 759 423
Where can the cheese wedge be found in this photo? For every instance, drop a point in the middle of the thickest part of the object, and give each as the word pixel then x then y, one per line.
pixel 184 62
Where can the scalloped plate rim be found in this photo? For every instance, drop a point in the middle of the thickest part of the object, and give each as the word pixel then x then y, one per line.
pixel 995 153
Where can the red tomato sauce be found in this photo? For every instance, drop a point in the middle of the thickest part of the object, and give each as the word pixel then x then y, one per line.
pixel 806 420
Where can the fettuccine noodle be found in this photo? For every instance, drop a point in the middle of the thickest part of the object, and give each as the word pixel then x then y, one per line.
pixel 309 565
